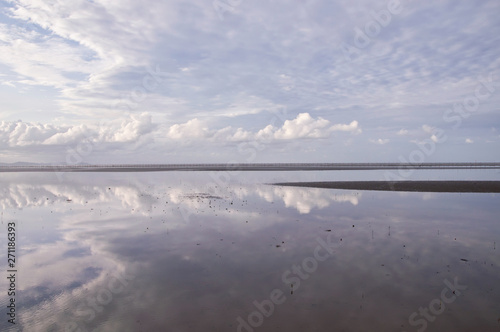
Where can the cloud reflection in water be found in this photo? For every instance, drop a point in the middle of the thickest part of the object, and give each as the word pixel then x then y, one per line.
pixel 395 250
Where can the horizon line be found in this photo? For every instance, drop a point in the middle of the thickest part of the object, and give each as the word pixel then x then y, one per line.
pixel 244 167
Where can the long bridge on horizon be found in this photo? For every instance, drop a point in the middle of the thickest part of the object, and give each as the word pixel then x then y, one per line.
pixel 246 167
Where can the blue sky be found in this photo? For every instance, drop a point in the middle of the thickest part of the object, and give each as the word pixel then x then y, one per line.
pixel 249 81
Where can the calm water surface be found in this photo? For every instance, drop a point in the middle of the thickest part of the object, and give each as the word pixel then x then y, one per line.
pixel 194 251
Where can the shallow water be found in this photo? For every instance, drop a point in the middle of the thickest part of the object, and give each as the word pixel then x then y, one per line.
pixel 192 251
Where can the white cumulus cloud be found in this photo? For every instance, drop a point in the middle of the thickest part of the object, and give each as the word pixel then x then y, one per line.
pixel 303 126
pixel 23 134
pixel 380 141
pixel 192 129
pixel 402 132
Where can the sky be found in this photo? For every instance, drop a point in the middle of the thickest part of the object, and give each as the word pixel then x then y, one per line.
pixel 225 81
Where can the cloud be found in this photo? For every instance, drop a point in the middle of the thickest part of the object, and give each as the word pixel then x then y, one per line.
pixel 8 84
pixel 402 132
pixel 469 141
pixel 243 104
pixel 191 129
pixel 427 129
pixel 352 127
pixel 132 129
pixel 69 136
pixel 20 133
pixel 304 126
pixel 78 61
pixel 306 199
pixel 432 130
pixel 380 141
pixel 23 134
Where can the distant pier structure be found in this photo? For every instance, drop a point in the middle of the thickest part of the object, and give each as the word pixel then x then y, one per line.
pixel 245 167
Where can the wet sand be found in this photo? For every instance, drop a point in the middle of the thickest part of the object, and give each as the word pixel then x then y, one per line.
pixel 152 250
pixel 419 186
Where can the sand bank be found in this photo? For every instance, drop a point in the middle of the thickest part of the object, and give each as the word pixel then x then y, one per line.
pixel 419 186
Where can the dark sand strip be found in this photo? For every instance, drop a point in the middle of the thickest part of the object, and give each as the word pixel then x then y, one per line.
pixel 419 186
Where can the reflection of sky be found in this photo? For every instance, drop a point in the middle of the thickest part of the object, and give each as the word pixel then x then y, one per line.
pixel 202 272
